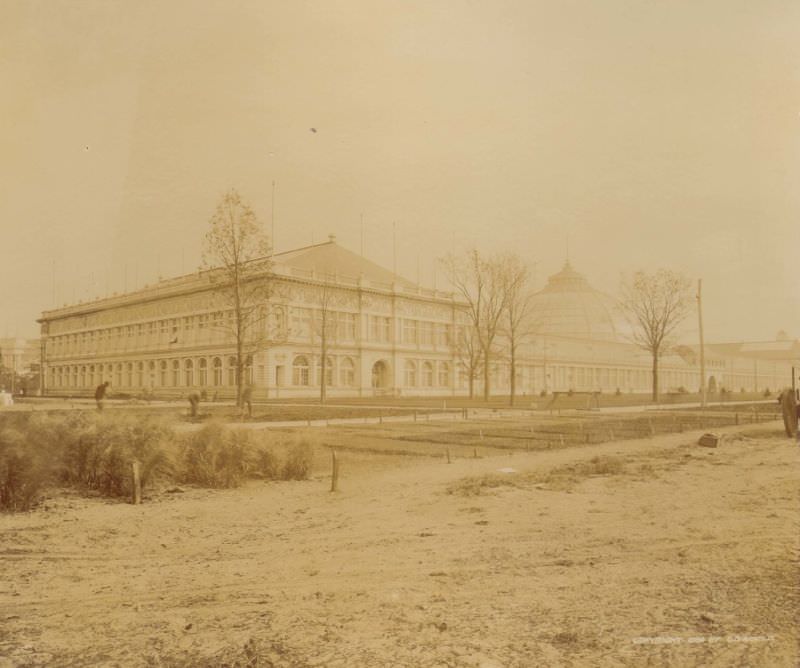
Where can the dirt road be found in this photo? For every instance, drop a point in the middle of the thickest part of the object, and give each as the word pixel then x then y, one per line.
pixel 643 553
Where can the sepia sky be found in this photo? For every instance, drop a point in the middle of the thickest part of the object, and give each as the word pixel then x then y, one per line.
pixel 647 133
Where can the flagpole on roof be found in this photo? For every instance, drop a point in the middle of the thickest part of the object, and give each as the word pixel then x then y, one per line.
pixel 394 247
pixel 362 235
pixel 272 234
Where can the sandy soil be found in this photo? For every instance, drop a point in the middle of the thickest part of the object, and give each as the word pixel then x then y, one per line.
pixel 677 555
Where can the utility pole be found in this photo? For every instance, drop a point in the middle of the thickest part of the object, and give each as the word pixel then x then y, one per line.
pixel 702 346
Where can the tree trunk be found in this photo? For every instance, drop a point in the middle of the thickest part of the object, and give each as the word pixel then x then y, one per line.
pixel 323 379
pixel 239 365
pixel 486 375
pixel 655 377
pixel 513 370
pixel 471 384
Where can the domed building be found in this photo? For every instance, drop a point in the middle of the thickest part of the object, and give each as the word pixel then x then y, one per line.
pixel 568 306
pixel 583 342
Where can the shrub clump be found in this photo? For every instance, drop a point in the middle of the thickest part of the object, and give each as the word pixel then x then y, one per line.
pixel 298 461
pixel 92 452
pixel 216 457
pixel 23 471
pixel 98 454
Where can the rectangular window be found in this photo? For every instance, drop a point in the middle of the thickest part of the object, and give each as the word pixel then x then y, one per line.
pixel 301 323
pixel 443 334
pixel 347 326
pixel 410 331
pixel 426 333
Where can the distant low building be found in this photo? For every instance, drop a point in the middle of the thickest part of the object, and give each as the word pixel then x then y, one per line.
pixel 392 337
pixel 19 364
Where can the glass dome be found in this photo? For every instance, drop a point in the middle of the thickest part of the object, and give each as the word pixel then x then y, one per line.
pixel 568 306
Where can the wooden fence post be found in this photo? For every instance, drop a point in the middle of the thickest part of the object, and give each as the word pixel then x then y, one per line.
pixel 137 483
pixel 334 471
pixel 448 455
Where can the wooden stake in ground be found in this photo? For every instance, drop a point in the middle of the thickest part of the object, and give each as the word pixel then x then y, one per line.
pixel 136 497
pixel 448 455
pixel 334 472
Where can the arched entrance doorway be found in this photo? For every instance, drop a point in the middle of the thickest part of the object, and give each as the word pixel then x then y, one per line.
pixel 381 379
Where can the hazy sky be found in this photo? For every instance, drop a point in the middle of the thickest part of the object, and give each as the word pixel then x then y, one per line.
pixel 649 132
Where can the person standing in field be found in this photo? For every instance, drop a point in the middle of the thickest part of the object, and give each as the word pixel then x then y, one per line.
pixel 100 395
pixel 247 400
pixel 194 403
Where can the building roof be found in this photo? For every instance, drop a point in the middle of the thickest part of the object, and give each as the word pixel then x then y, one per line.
pixel 568 306
pixel 320 262
pixel 331 259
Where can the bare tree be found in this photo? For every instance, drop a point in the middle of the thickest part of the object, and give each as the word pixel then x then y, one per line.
pixel 517 323
pixel 236 254
pixel 479 281
pixel 324 328
pixel 656 304
pixel 469 354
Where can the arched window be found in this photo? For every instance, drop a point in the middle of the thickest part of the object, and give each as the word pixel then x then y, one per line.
pixel 217 363
pixel 203 373
pixel 411 373
pixel 176 373
pixel 427 374
pixel 140 374
pixel 188 368
pixel 231 371
pixel 444 374
pixel 118 375
pixel 300 370
pixel 83 377
pixel 91 375
pixel 163 367
pixel 129 374
pixel 347 372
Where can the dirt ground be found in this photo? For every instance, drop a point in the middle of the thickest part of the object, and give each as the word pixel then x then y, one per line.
pixel 653 552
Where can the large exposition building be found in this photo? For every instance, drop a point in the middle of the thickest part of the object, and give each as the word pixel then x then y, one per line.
pixel 391 337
